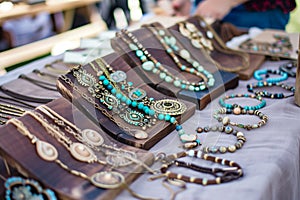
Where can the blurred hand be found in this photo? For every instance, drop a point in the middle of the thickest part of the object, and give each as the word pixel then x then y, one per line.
pixel 181 7
pixel 216 9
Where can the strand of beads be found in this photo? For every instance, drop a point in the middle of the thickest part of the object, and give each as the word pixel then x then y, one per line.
pixel 150 64
pixel 189 140
pixel 237 109
pixel 226 121
pixel 222 174
pixel 257 75
pixel 241 139
pixel 170 45
pixel 267 94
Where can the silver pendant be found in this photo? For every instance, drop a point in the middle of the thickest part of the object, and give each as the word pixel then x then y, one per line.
pixel 82 153
pixel 92 137
pixel 108 180
pixel 169 106
pixel 118 76
pixel 46 151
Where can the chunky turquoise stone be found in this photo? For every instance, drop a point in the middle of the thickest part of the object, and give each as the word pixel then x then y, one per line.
pixel 158 64
pixel 102 77
pixel 177 83
pixel 167 117
pixel 172 120
pixel 169 50
pixel 123 98
pixel 139 53
pixel 202 87
pixel 191 88
pixel 133 47
pixel 140 106
pixel 162 75
pixel 128 102
pixel 151 112
pixel 105 82
pixel 143 58
pixel 183 67
pixel 148 65
pixel 134 104
pixel 168 79
pixel 161 116
pixel 113 91
pixel 119 95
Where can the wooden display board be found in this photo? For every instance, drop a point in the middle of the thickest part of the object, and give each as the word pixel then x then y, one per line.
pixel 228 57
pixel 155 132
pixel 224 80
pixel 20 153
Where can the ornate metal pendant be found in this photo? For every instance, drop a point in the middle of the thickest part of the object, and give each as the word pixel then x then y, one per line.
pixel 19 188
pixel 118 76
pixel 84 78
pixel 46 151
pixel 169 106
pixel 92 137
pixel 137 94
pixel 120 158
pixel 108 180
pixel 82 153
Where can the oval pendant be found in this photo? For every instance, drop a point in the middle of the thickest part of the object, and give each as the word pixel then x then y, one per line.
pixel 191 27
pixel 137 94
pixel 92 137
pixel 46 151
pixel 118 76
pixel 184 31
pixel 82 153
pixel 184 54
pixel 107 180
pixel 139 134
pixel 209 34
pixel 196 44
pixel 169 106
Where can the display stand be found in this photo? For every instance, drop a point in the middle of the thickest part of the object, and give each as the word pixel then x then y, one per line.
pixel 230 59
pixel 20 153
pixel 224 80
pixel 155 132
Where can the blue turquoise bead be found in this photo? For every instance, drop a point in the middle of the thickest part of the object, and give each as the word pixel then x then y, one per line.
pixel 105 82
pixel 167 117
pixel 140 106
pixel 151 112
pixel 128 102
pixel 119 95
pixel 134 104
pixel 113 91
pixel 178 127
pixel 139 53
pixel 102 77
pixel 109 87
pixel 172 120
pixel 123 98
pixel 161 116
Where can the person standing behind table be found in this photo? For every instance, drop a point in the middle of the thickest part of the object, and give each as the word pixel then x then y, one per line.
pixel 273 14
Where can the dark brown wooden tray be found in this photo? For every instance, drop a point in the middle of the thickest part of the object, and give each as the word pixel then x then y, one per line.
pixel 20 153
pixel 156 132
pixel 224 80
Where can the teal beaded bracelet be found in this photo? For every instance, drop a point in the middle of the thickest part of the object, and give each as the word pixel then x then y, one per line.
pixel 257 75
pixel 267 94
pixel 226 121
pixel 246 108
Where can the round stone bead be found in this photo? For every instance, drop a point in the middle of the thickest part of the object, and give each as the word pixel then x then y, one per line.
pixel 222 149
pixel 225 121
pixel 232 148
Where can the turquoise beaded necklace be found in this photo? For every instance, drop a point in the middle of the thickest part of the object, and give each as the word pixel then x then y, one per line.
pixel 170 44
pixel 189 140
pixel 257 75
pixel 150 64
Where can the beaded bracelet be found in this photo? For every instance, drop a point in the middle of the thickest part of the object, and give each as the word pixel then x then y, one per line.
pixel 222 149
pixel 226 121
pixel 222 174
pixel 267 94
pixel 257 75
pixel 234 106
